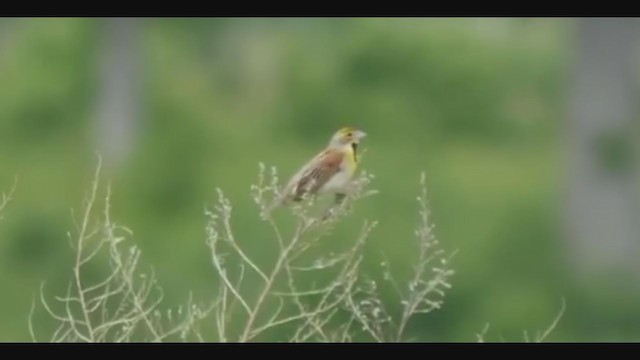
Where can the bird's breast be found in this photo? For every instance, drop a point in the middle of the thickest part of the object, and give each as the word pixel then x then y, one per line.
pixel 338 181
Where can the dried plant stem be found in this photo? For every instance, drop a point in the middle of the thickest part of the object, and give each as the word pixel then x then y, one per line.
pixel 79 254
pixel 282 259
pixel 124 305
pixel 540 337
pixel 6 197
pixel 117 307
pixel 553 324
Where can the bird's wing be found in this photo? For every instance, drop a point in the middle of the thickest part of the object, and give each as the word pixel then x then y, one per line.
pixel 310 177
pixel 325 166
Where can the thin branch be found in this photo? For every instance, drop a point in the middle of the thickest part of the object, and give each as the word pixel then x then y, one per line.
pixel 553 324
pixel 212 240
pixel 79 249
pixel 480 336
pixel 231 239
pixel 6 197
pixel 31 311
pixel 346 277
pixel 267 287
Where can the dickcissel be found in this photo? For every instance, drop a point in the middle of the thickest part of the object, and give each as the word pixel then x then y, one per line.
pixel 329 172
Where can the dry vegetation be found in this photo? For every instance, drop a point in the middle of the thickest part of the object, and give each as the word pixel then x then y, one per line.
pixel 252 301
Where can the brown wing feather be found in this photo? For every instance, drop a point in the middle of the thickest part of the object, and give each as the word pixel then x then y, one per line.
pixel 326 167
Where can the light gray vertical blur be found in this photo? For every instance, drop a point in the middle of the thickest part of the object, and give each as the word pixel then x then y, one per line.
pixel 118 108
pixel 603 218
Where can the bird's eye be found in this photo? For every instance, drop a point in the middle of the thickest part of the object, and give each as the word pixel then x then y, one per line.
pixel 349 134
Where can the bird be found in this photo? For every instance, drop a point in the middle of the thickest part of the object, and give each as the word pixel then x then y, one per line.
pixel 328 172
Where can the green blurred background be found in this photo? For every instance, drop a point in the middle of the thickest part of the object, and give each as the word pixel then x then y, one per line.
pixel 178 107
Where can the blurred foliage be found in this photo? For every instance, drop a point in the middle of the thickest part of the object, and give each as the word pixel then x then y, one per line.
pixel 476 103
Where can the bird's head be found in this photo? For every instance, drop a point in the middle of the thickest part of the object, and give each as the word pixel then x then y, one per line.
pixel 347 136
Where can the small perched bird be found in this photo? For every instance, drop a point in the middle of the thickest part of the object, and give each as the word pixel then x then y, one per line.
pixel 328 172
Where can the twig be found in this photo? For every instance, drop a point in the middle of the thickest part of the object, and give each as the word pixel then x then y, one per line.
pixel 553 324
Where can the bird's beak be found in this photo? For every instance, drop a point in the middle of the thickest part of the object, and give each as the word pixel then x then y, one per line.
pixel 360 134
